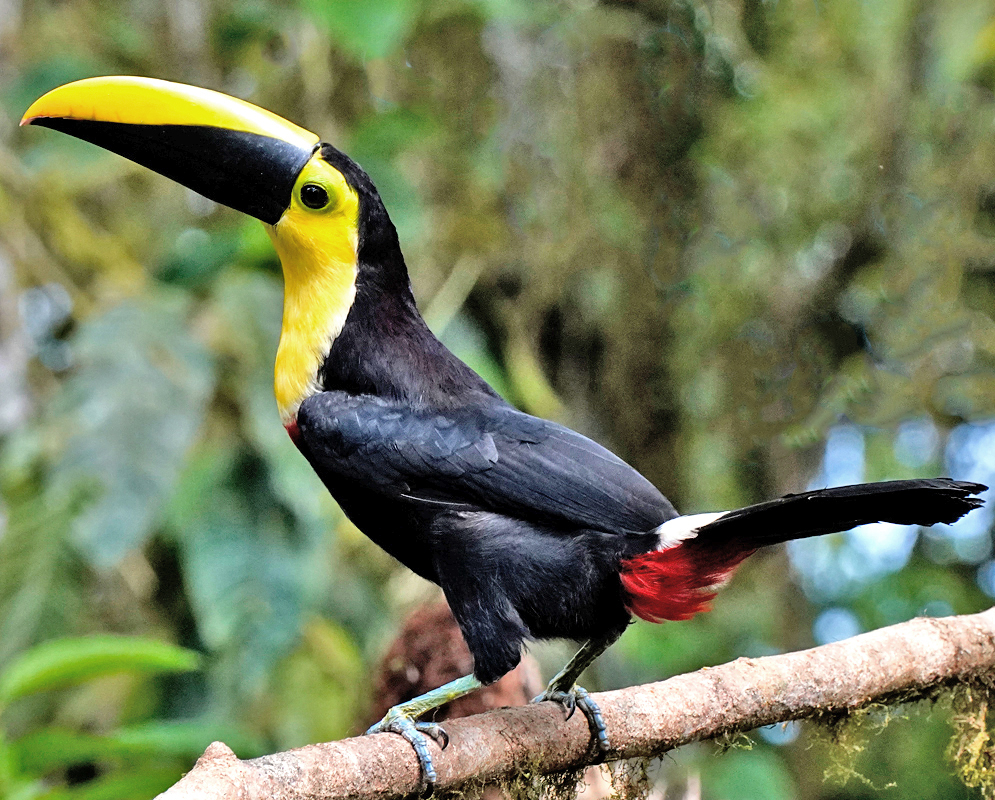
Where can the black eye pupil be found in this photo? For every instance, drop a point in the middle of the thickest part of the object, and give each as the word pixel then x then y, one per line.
pixel 314 196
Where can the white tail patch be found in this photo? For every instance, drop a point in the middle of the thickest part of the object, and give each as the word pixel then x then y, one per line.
pixel 675 531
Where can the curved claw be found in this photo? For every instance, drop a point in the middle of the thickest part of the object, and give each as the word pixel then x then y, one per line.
pixel 436 731
pixel 565 700
pixel 416 734
pixel 578 697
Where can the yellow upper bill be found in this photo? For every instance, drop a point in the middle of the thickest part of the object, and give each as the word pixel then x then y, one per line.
pixel 149 101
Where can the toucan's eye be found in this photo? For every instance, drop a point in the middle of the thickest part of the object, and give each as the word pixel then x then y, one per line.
pixel 314 196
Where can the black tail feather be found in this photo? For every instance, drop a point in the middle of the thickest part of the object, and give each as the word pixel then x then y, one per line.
pixel 797 516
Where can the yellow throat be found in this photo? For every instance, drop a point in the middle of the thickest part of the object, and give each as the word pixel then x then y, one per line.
pixel 318 249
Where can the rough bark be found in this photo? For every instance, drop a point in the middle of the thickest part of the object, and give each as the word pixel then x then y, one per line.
pixel 896 663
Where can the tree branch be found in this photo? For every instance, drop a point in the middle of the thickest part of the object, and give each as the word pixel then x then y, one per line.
pixel 892 664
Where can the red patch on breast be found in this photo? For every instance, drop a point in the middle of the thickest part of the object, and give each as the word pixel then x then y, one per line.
pixel 678 582
pixel 294 431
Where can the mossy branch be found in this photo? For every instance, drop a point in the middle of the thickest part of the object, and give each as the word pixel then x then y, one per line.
pixel 899 663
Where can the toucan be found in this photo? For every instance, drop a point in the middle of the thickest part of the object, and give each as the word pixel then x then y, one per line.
pixel 532 530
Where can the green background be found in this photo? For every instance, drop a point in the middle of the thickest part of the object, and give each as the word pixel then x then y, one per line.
pixel 747 244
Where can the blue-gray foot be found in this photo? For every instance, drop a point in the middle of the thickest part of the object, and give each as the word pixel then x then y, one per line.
pixel 403 719
pixel 417 735
pixel 578 697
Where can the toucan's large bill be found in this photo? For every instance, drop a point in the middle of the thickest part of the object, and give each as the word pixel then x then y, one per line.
pixel 226 149
pixel 306 191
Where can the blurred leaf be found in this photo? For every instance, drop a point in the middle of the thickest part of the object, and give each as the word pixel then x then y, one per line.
pixel 468 343
pixel 66 662
pixel 184 738
pixel 367 28
pixel 256 248
pixel 320 689
pixel 121 785
pixel 241 25
pixel 515 10
pixel 245 569
pixel 527 380
pixel 128 40
pixel 133 405
pixel 382 137
pixel 740 775
pixel 38 582
pixel 243 579
pixel 376 144
pixel 47 749
pixel 43 76
pixel 198 256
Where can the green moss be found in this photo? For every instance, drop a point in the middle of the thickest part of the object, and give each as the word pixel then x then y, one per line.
pixel 734 740
pixel 631 779
pixel 845 736
pixel 972 749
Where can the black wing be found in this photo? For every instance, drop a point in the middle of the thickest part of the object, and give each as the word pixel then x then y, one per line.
pixel 492 457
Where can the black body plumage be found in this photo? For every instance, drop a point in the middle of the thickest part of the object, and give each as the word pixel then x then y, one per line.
pixel 524 524
pixel 923 501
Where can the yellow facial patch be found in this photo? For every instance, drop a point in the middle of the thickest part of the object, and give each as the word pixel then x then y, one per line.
pixel 149 101
pixel 318 248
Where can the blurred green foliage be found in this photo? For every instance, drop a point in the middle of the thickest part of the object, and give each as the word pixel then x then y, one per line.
pixel 747 244
pixel 146 757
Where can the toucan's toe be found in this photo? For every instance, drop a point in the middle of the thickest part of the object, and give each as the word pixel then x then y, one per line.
pixel 575 698
pixel 417 735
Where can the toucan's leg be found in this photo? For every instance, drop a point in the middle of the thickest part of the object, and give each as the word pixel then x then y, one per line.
pixel 563 688
pixel 402 719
